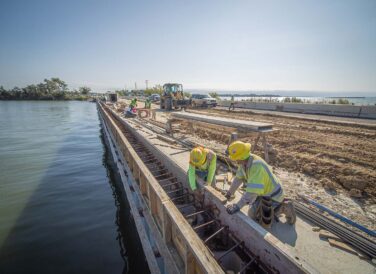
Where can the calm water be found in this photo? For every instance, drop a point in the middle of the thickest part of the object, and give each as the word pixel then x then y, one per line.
pixel 60 209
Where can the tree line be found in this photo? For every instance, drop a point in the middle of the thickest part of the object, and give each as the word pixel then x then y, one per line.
pixel 49 89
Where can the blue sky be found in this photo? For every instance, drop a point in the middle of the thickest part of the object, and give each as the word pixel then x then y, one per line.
pixel 321 46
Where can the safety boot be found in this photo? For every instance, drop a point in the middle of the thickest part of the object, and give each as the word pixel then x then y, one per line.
pixel 267 212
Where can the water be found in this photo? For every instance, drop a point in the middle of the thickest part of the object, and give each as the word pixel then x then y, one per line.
pixel 60 208
pixel 360 101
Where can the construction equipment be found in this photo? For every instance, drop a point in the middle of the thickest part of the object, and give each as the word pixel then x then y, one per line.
pixel 173 97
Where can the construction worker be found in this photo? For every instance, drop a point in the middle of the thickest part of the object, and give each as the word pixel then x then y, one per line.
pixel 264 192
pixel 232 103
pixel 133 103
pixel 203 163
pixel 148 103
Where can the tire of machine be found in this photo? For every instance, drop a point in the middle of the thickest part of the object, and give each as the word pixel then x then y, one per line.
pixel 168 104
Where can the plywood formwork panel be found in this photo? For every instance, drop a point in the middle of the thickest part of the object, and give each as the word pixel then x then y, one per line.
pixel 244 125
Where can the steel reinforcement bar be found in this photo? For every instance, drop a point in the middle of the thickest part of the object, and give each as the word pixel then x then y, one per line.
pixel 358 241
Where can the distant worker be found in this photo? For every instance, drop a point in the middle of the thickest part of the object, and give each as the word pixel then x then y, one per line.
pixel 203 163
pixel 148 103
pixel 133 103
pixel 131 109
pixel 264 192
pixel 232 103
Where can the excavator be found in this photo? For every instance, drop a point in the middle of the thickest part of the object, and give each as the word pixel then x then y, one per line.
pixel 173 97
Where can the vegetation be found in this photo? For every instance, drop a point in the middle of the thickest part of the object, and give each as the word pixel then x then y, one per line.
pixel 187 94
pixel 343 101
pixel 84 90
pixel 49 89
pixel 214 95
pixel 122 92
pixel 158 89
pixel 292 100
pixel 340 101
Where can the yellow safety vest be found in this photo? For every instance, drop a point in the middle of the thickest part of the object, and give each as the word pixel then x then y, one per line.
pixel 260 180
pixel 210 166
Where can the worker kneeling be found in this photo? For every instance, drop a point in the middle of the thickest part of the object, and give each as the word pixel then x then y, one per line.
pixel 264 193
pixel 203 163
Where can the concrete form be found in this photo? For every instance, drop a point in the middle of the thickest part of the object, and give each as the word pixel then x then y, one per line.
pixel 368 112
pixel 227 122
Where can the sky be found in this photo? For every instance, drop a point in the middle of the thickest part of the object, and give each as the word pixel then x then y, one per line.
pixel 317 46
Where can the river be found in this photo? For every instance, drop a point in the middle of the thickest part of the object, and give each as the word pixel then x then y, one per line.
pixel 61 210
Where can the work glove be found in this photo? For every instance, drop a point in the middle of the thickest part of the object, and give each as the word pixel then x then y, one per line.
pixel 232 208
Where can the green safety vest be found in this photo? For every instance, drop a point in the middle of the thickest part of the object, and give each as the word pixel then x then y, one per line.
pixel 260 180
pixel 133 103
pixel 210 168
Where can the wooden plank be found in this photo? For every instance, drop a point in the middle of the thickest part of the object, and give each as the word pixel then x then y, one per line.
pixel 172 264
pixel 327 235
pixel 200 252
pixel 244 125
pixel 149 253
pixel 343 246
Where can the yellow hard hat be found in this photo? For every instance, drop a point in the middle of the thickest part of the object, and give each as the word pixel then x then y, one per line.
pixel 198 156
pixel 239 150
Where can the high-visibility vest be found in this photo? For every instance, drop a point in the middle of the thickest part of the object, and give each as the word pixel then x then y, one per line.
pixel 209 166
pixel 260 179
pixel 133 103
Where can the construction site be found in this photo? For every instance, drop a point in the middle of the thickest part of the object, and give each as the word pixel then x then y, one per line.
pixel 326 166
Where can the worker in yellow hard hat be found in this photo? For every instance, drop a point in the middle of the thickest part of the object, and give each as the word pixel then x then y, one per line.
pixel 203 163
pixel 262 186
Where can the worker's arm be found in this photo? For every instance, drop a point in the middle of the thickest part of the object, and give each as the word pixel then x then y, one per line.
pixel 247 198
pixel 212 168
pixel 192 177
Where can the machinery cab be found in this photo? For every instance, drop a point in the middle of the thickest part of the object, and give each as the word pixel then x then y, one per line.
pixel 173 97
pixel 173 90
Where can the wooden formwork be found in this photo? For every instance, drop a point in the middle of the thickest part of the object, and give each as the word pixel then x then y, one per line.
pixel 177 235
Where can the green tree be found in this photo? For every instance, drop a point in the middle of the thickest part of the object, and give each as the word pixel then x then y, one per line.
pixel 55 87
pixel 157 89
pixel 343 101
pixel 84 90
pixel 4 94
pixel 16 93
pixel 187 94
pixel 214 95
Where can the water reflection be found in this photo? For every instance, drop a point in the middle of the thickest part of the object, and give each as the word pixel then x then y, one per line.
pixel 127 239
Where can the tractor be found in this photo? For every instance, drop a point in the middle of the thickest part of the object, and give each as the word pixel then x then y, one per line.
pixel 173 97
